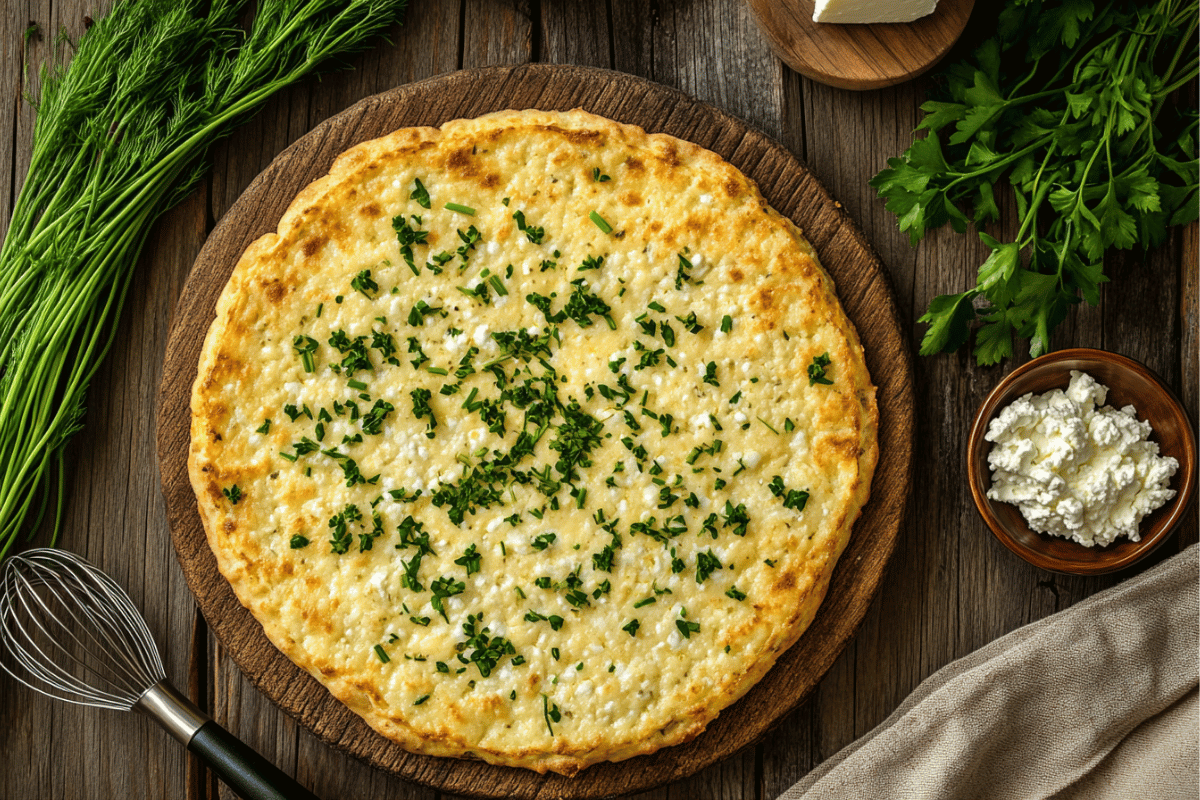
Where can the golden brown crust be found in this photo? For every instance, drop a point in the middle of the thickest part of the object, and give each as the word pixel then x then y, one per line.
pixel 326 610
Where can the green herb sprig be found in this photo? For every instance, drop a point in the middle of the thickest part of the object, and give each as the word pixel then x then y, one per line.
pixel 1067 107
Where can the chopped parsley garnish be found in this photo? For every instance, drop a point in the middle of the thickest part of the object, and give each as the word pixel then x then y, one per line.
pixel 372 421
pixel 816 370
pixel 412 568
pixel 362 283
pixel 551 712
pixel 792 498
pixel 298 541
pixel 418 313
pixel 710 374
pixel 788 425
pixel 726 324
pixel 684 272
pixel 591 262
pixel 535 234
pixel 233 494
pixel 408 236
pixel 733 592
pixel 598 176
pixel 420 194
pixel 469 239
pixel 470 560
pixel 736 518
pixel 305 346
pixel 668 335
pixel 542 541
pixel 631 627
pixel 706 563
pixel 685 626
pixel 600 222
pixel 442 588
pixel 265 428
pixel 420 400
pixel 690 323
pixel 340 524
pixel 486 651
pixel 461 209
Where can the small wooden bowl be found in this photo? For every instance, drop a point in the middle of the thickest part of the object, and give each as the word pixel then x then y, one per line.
pixel 1129 383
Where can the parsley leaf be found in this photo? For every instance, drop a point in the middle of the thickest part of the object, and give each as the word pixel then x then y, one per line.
pixel 1065 108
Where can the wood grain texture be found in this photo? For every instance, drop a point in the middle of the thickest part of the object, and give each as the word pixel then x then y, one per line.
pixel 860 57
pixel 786 184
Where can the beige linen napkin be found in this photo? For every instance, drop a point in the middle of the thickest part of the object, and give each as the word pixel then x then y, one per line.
pixel 1097 702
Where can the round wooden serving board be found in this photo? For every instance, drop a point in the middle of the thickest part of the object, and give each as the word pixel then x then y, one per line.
pixel 789 187
pixel 859 56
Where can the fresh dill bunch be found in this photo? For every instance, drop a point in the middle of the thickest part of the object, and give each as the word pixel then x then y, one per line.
pixel 121 135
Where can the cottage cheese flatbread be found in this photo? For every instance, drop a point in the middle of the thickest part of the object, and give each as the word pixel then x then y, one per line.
pixel 534 438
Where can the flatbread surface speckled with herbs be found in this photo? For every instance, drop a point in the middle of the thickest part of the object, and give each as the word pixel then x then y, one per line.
pixel 535 438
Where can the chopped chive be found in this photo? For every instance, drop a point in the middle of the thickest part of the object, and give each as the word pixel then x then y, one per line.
pixel 437 371
pixel 383 656
pixel 726 324
pixel 498 285
pixel 600 222
pixel 353 384
pixel 470 212
pixel 420 700
pixel 764 422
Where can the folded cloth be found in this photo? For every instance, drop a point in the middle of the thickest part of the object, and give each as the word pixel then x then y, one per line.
pixel 1097 702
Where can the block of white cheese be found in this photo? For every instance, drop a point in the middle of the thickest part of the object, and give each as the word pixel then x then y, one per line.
pixel 868 11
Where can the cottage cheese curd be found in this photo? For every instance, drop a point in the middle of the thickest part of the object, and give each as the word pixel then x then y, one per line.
pixel 1075 467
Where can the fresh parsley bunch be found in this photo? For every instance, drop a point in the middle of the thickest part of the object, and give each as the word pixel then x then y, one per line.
pixel 1067 106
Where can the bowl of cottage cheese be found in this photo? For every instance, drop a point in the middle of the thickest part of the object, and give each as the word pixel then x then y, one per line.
pixel 1082 461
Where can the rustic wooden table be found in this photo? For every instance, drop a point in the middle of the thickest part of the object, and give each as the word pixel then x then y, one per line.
pixel 951 587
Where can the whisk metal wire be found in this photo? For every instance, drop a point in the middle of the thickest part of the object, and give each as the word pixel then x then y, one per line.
pixel 68 631
pixel 56 609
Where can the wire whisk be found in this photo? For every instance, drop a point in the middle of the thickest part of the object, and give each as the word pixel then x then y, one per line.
pixel 67 623
pixel 68 631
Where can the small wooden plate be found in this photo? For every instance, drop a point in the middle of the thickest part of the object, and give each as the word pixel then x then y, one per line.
pixel 859 56
pixel 862 284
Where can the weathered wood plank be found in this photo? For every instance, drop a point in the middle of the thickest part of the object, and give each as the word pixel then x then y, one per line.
pixel 576 33
pixel 24 732
pixel 711 50
pixel 1189 351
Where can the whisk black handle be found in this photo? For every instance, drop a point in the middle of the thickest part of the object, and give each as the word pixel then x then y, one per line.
pixel 242 769
pixel 245 771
